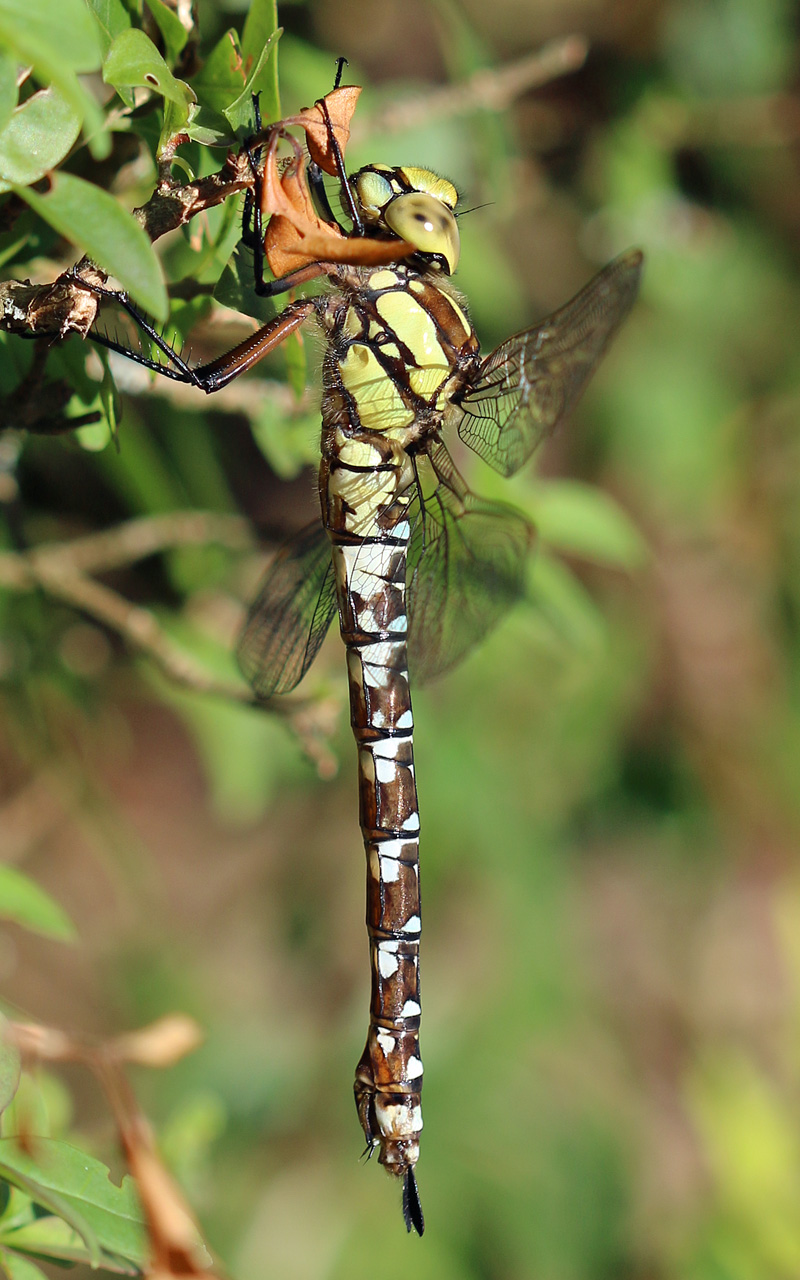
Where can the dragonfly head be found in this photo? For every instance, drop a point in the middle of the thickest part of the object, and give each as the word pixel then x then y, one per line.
pixel 414 204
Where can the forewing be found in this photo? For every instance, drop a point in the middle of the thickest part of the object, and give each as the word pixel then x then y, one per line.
pixel 535 379
pixel 466 569
pixel 291 614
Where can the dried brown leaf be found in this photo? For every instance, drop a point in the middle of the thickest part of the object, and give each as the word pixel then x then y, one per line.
pixel 338 106
pixel 161 1044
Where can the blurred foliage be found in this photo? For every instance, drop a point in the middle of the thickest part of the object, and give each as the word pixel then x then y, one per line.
pixel 609 787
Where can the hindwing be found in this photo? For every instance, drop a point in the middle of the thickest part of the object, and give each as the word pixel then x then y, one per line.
pixel 291 614
pixel 534 380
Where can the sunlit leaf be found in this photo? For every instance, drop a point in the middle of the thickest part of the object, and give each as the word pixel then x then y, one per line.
pixel 240 111
pixel 78 1188
pixel 65 30
pixel 134 61
pixel 112 18
pixel 38 135
pixel 95 222
pixel 8 87
pixel 58 41
pixel 260 30
pixel 172 29
pixel 222 76
pixel 584 521
pixel 54 1240
pixel 19 1268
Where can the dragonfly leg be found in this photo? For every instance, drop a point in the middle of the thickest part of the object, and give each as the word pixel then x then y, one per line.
pixel 253 228
pixel 215 374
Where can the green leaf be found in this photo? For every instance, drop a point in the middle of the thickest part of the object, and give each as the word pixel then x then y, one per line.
pixel 17 1268
pixel 19 1209
pixel 25 903
pixel 65 32
pixel 294 351
pixel 58 40
pixel 288 444
pixel 54 1240
pixel 112 18
pixel 240 111
pixel 78 1188
pixel 584 521
pixel 107 233
pixel 565 604
pixel 222 77
pixel 9 91
pixel 133 61
pixel 173 32
pixel 260 34
pixel 41 1105
pixel 235 289
pixel 176 118
pixel 38 135
pixel 48 1236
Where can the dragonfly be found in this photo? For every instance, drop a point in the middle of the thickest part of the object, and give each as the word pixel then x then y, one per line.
pixel 418 569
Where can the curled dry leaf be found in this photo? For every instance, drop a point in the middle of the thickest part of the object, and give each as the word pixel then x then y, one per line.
pixel 296 235
pixel 161 1044
pixel 338 107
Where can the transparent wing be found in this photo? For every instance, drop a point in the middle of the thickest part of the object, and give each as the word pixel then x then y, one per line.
pixel 291 614
pixel 466 568
pixel 533 380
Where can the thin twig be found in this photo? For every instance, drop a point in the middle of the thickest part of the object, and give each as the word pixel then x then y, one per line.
pixel 63 307
pixel 146 536
pixel 61 570
pixel 492 89
pixel 138 626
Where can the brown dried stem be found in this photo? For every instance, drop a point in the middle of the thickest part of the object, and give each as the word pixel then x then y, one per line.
pixel 64 307
pixel 176 1245
pixel 493 89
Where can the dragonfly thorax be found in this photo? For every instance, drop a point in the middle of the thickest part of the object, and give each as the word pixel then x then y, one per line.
pixel 414 204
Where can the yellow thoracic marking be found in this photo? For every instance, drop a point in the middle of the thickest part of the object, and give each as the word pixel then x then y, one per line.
pixel 353 325
pixel 413 326
pixel 356 453
pixel 379 403
pixel 384 280
pixel 424 382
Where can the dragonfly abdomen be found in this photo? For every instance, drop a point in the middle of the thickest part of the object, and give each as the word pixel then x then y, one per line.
pixel 371 584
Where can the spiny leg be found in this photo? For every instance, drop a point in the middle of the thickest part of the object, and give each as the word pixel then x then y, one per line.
pixel 215 374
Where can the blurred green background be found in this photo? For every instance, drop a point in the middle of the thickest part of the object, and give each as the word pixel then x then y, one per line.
pixel 609 789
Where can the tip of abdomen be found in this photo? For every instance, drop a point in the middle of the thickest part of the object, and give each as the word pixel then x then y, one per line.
pixel 412 1209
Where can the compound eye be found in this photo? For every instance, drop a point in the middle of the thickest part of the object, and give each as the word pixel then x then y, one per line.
pixel 373 191
pixel 426 223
